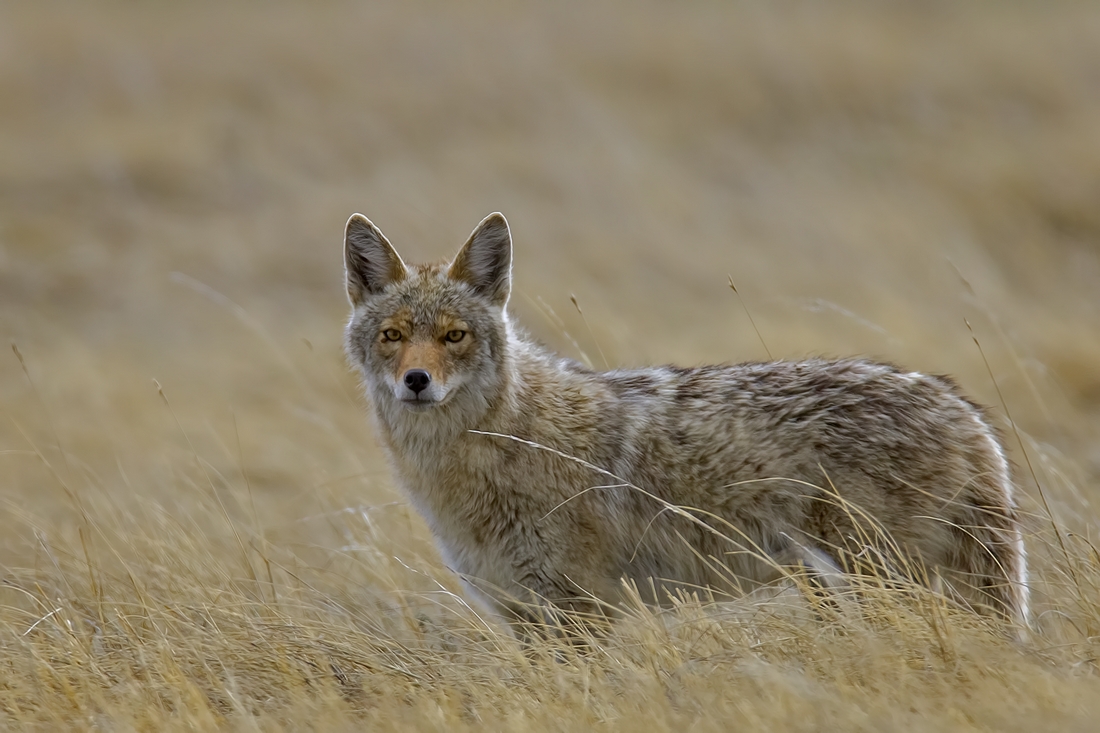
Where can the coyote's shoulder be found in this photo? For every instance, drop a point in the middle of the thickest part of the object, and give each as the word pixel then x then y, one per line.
pixel 545 482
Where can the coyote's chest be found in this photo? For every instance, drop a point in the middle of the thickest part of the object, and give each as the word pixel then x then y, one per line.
pixel 486 531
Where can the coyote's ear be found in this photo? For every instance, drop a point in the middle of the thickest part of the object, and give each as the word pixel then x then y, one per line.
pixel 485 261
pixel 370 261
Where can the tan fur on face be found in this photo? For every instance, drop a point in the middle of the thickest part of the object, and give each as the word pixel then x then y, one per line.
pixel 431 356
pixel 423 348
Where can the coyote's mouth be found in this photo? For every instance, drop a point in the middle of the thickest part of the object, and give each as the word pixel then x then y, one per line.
pixel 422 405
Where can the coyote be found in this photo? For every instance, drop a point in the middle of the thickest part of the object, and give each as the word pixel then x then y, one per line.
pixel 547 484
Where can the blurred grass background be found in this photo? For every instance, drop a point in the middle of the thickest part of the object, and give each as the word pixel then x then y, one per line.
pixel 174 179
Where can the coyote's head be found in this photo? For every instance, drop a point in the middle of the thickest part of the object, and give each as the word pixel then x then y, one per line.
pixel 429 338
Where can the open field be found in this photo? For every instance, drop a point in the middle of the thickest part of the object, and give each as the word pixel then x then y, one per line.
pixel 198 528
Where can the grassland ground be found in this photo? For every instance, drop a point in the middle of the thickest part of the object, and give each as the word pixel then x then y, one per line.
pixel 199 530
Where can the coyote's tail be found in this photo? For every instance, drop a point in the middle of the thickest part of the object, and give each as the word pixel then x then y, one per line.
pixel 994 558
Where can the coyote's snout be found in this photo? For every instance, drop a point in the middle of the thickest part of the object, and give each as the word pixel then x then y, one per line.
pixel 421 380
pixel 546 483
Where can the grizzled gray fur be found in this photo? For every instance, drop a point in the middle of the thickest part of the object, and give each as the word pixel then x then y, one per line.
pixel 546 483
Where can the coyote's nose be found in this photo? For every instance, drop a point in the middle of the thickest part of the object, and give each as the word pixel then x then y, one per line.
pixel 417 380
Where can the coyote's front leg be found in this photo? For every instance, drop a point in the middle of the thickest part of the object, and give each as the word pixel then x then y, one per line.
pixel 545 610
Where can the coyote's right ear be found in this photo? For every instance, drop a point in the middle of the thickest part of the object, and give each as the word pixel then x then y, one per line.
pixel 370 261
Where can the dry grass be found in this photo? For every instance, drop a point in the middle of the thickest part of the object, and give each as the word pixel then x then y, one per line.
pixel 230 552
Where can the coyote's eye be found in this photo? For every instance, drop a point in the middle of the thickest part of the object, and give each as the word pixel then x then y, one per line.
pixel 391 334
pixel 455 336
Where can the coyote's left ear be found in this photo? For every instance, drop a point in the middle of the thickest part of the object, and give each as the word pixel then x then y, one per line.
pixel 485 261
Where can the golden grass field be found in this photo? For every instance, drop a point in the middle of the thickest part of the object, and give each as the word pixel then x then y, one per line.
pixel 199 530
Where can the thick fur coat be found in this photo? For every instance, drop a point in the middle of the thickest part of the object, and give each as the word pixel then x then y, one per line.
pixel 546 483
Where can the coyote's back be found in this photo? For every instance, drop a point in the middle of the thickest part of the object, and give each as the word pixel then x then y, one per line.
pixel 546 483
